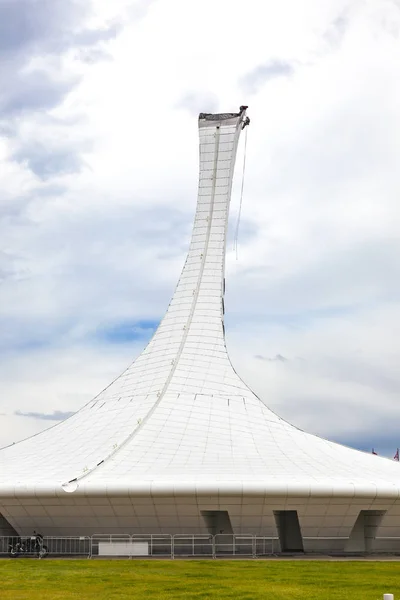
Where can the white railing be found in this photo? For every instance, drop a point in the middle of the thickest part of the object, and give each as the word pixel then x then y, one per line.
pixel 159 545
pixel 173 546
pixel 235 545
pixel 193 545
pixel 69 546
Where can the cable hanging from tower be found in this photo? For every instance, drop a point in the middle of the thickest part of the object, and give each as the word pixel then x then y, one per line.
pixel 235 241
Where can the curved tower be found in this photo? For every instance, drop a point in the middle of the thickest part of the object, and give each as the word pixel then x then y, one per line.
pixel 179 443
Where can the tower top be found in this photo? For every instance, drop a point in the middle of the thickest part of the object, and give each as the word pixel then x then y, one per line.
pixel 223 116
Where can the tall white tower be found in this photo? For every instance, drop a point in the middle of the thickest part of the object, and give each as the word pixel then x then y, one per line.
pixel 179 443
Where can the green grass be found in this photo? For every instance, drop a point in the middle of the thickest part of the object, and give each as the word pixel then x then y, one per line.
pixel 166 579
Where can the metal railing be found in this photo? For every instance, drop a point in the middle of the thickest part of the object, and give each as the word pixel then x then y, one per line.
pixel 193 545
pixel 172 546
pixel 30 546
pixel 159 545
pixel 69 546
pixel 103 544
pixel 234 545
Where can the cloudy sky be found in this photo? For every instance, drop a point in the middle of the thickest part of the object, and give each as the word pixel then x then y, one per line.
pixel 98 176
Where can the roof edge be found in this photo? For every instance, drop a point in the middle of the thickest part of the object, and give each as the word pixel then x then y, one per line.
pixel 320 489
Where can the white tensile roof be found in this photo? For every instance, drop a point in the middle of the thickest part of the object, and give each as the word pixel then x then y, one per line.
pixel 180 419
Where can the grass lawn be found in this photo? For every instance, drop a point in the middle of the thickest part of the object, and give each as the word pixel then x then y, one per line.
pixel 220 579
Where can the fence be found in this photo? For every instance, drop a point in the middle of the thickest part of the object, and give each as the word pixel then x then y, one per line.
pixel 142 545
pixel 55 546
pixel 170 546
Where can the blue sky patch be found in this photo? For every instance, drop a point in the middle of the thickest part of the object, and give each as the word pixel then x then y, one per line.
pixel 127 331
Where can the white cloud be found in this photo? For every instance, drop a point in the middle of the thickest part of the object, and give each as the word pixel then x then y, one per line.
pixel 99 184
